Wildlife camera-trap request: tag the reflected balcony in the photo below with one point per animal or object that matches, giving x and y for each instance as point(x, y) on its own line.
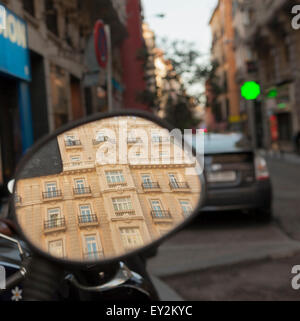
point(52, 195)
point(93, 256)
point(55, 225)
point(179, 186)
point(151, 186)
point(116, 184)
point(100, 140)
point(78, 165)
point(161, 216)
point(82, 191)
point(134, 140)
point(125, 213)
point(88, 220)
point(70, 144)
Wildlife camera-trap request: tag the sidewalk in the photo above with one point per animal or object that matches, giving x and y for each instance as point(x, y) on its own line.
point(281, 156)
point(176, 260)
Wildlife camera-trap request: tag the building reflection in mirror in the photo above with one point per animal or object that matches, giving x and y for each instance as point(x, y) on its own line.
point(100, 204)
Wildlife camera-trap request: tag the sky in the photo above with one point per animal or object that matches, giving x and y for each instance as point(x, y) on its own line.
point(185, 20)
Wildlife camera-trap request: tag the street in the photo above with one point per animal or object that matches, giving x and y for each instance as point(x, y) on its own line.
point(230, 256)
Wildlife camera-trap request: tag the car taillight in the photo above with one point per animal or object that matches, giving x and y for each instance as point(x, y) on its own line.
point(261, 168)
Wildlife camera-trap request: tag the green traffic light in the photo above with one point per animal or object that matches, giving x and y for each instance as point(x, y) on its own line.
point(250, 90)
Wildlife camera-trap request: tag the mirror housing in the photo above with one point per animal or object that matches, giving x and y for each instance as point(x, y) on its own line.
point(78, 204)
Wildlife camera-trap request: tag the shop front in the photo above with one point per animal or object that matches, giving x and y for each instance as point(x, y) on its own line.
point(16, 134)
point(279, 106)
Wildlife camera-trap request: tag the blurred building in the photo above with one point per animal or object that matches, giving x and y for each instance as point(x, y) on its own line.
point(133, 69)
point(276, 46)
point(91, 210)
point(227, 109)
point(49, 75)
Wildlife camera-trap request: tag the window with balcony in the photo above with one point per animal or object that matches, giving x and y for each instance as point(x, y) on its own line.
point(173, 180)
point(54, 219)
point(147, 182)
point(158, 211)
point(100, 138)
point(175, 184)
point(86, 215)
point(123, 206)
point(51, 191)
point(71, 140)
point(186, 207)
point(115, 177)
point(29, 6)
point(56, 248)
point(131, 238)
point(92, 251)
point(81, 188)
point(160, 137)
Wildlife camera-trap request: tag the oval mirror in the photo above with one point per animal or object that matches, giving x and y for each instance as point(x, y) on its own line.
point(106, 188)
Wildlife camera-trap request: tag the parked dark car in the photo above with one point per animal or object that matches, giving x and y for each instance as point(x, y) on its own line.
point(237, 176)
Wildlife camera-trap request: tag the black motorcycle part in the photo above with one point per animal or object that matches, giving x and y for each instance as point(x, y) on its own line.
point(44, 279)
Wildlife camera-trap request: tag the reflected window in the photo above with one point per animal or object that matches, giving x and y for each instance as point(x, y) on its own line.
point(156, 138)
point(51, 190)
point(92, 250)
point(115, 177)
point(131, 238)
point(76, 160)
point(71, 140)
point(80, 186)
point(157, 208)
point(100, 137)
point(147, 181)
point(122, 204)
point(186, 207)
point(55, 218)
point(56, 248)
point(173, 180)
point(85, 213)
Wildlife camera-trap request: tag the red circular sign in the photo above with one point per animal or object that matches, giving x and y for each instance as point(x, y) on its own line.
point(100, 42)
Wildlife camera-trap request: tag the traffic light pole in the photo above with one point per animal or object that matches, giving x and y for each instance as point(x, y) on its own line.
point(252, 125)
point(109, 69)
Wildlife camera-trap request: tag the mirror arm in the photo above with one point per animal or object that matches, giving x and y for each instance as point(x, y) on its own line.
point(15, 242)
point(122, 276)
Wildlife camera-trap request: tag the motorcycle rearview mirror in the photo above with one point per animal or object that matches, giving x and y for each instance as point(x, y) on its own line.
point(105, 188)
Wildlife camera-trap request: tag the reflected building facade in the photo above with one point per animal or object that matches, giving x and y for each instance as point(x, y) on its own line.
point(97, 209)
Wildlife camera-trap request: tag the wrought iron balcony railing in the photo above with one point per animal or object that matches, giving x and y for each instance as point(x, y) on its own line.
point(161, 214)
point(93, 255)
point(117, 184)
point(100, 140)
point(134, 140)
point(72, 143)
point(55, 223)
point(125, 212)
point(151, 185)
point(87, 219)
point(82, 190)
point(179, 185)
point(52, 194)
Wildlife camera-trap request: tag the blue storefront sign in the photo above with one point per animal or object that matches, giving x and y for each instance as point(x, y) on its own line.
point(15, 62)
point(14, 54)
